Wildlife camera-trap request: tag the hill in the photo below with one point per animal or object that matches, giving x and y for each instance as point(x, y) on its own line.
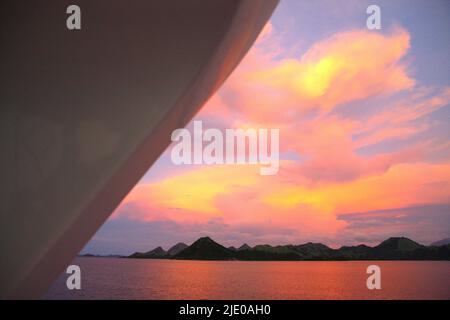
point(442, 242)
point(156, 253)
point(205, 249)
point(180, 246)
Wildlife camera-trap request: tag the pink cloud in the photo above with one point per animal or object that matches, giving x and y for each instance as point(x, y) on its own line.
point(302, 96)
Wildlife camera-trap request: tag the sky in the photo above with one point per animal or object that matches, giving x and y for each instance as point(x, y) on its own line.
point(364, 120)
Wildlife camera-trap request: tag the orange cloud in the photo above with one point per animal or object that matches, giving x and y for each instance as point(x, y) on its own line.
point(240, 196)
point(402, 185)
point(193, 191)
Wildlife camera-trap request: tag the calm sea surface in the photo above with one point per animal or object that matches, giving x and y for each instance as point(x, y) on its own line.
point(111, 278)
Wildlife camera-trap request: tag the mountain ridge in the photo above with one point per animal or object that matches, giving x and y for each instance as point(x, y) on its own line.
point(394, 248)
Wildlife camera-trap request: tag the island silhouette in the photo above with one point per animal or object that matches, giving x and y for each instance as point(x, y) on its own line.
point(395, 248)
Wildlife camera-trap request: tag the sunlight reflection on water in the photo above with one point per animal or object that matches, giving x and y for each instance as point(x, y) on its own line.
point(111, 278)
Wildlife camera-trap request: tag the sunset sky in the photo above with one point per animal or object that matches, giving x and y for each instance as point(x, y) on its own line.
point(364, 119)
